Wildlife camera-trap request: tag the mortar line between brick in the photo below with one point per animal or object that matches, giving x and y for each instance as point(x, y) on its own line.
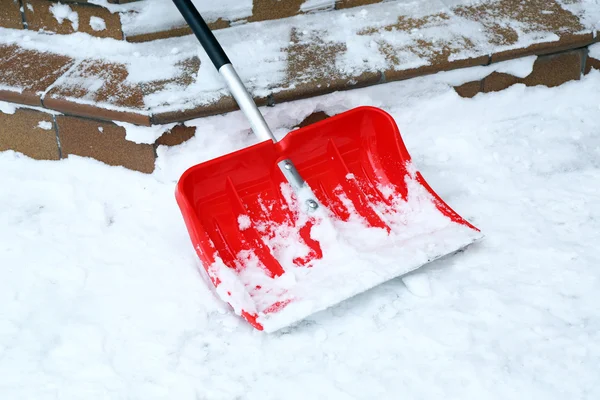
point(584, 60)
point(22, 11)
point(57, 137)
point(59, 80)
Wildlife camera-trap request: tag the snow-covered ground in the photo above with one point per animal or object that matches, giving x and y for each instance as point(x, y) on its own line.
point(100, 297)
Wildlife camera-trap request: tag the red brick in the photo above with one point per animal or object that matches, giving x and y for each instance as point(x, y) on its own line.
point(567, 41)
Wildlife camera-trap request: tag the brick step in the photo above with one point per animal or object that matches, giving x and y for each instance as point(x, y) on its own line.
point(165, 81)
point(146, 20)
point(45, 135)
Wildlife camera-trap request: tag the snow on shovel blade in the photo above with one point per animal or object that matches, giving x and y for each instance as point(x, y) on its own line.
point(274, 262)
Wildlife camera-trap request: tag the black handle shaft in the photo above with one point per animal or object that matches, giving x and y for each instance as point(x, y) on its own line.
point(202, 32)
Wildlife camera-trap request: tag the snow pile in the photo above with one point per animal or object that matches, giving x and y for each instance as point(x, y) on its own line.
point(97, 23)
point(45, 125)
point(63, 12)
point(7, 108)
point(144, 134)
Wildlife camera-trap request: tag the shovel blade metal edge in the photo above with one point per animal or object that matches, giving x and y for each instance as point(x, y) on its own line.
point(274, 263)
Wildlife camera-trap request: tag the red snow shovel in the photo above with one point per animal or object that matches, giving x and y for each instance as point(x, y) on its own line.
point(291, 227)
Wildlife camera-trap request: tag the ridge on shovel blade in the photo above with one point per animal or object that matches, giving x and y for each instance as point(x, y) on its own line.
point(276, 264)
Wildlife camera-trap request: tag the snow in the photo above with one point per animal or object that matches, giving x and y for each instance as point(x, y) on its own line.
point(144, 134)
point(520, 67)
point(97, 23)
point(62, 12)
point(418, 284)
point(11, 108)
point(160, 15)
point(594, 51)
point(7, 108)
point(45, 125)
point(314, 5)
point(101, 296)
point(244, 222)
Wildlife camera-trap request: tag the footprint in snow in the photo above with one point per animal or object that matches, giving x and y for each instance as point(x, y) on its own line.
point(418, 284)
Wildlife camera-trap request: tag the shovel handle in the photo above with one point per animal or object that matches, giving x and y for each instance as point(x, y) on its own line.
point(223, 65)
point(238, 90)
point(203, 33)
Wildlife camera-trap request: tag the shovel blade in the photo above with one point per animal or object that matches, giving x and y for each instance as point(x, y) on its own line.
point(275, 263)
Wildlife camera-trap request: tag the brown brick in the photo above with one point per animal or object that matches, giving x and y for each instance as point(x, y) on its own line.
point(311, 69)
point(313, 119)
point(274, 9)
point(591, 63)
point(10, 14)
point(556, 69)
point(506, 22)
point(324, 85)
point(148, 37)
point(175, 32)
point(72, 107)
point(549, 70)
point(566, 42)
point(437, 64)
point(103, 141)
point(21, 132)
point(341, 4)
point(469, 89)
point(179, 134)
point(497, 81)
point(438, 51)
point(115, 99)
point(39, 17)
point(29, 73)
point(224, 105)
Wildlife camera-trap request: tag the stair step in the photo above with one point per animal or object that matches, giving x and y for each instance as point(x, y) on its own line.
point(170, 80)
point(146, 20)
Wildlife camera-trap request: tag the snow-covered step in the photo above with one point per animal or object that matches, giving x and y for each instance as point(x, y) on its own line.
point(171, 80)
point(152, 19)
point(48, 134)
point(145, 20)
point(70, 17)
